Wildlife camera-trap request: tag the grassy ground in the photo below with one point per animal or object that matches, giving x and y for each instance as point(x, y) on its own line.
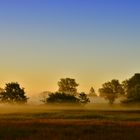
point(45, 123)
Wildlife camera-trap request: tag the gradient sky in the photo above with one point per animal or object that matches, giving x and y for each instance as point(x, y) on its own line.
point(92, 41)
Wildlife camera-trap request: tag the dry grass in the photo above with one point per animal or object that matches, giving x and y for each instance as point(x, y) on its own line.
point(34, 123)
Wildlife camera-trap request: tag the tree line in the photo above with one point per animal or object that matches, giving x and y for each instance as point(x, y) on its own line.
point(67, 92)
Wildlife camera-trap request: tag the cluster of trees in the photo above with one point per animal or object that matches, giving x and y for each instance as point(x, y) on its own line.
point(130, 89)
point(67, 92)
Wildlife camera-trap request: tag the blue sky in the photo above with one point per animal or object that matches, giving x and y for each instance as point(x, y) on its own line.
point(93, 41)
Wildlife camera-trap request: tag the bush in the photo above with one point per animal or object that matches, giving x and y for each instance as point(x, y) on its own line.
point(64, 98)
point(61, 98)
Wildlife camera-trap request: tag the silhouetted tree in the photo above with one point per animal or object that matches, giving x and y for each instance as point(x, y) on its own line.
point(68, 86)
point(132, 88)
point(92, 92)
point(13, 93)
point(83, 99)
point(111, 90)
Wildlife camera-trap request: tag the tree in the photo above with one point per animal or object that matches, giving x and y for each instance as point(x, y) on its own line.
point(111, 90)
point(92, 92)
point(68, 86)
point(13, 93)
point(132, 88)
point(83, 99)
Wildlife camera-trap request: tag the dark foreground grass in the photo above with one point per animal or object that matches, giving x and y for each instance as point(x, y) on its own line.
point(46, 129)
point(78, 124)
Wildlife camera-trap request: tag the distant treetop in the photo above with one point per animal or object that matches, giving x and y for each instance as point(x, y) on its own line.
point(92, 92)
point(68, 85)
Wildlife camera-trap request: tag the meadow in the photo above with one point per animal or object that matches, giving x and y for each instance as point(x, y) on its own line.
point(93, 122)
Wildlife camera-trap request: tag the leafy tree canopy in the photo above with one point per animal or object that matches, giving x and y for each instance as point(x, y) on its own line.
point(68, 86)
point(132, 88)
point(13, 93)
point(111, 90)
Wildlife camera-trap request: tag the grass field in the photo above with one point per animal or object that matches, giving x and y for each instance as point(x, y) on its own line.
point(60, 123)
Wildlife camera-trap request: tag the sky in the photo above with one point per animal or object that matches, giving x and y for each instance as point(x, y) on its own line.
point(93, 41)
